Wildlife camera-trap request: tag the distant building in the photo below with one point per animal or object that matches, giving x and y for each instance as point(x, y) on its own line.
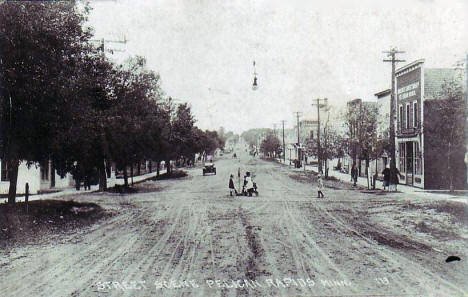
point(308, 130)
point(383, 105)
point(40, 177)
point(415, 85)
point(383, 127)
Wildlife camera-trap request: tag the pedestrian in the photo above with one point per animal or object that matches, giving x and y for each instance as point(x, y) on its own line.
point(394, 178)
point(354, 174)
point(87, 182)
point(249, 184)
point(386, 178)
point(232, 189)
point(320, 186)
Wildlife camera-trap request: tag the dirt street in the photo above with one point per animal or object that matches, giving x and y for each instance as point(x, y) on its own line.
point(189, 238)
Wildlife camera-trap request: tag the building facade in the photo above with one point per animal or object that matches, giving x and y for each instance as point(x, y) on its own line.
point(415, 85)
point(409, 142)
point(383, 127)
point(40, 178)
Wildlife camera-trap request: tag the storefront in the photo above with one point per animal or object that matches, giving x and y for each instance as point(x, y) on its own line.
point(410, 162)
point(409, 137)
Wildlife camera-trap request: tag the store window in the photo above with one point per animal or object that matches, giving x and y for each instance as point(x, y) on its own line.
point(417, 159)
point(402, 157)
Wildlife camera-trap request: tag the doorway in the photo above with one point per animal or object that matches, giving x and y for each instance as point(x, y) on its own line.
point(409, 163)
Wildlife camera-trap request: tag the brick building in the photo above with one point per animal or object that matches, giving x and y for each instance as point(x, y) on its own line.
point(415, 85)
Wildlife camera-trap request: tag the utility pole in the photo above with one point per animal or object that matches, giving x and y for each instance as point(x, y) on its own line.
point(298, 114)
point(319, 103)
point(392, 54)
point(103, 164)
point(284, 147)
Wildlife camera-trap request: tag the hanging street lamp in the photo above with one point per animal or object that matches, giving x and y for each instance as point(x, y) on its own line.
point(254, 85)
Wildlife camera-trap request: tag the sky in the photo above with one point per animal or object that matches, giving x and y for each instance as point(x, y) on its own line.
point(204, 49)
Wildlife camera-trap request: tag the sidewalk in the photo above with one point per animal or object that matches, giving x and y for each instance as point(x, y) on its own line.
point(362, 181)
point(111, 182)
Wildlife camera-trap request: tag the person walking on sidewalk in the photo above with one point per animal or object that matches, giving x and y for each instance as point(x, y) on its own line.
point(354, 174)
point(319, 186)
point(386, 178)
point(232, 189)
point(394, 179)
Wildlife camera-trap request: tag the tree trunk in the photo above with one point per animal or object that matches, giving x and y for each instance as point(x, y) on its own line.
point(13, 165)
point(52, 175)
point(131, 172)
point(326, 168)
point(102, 176)
point(150, 165)
point(125, 177)
point(359, 167)
point(449, 169)
point(367, 173)
point(108, 169)
point(139, 168)
point(376, 173)
point(168, 166)
point(158, 168)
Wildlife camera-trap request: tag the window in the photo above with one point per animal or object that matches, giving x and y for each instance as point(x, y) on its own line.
point(415, 114)
point(4, 173)
point(407, 116)
point(417, 159)
point(400, 121)
point(402, 155)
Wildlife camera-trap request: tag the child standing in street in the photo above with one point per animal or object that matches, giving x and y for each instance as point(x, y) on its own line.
point(232, 189)
point(320, 186)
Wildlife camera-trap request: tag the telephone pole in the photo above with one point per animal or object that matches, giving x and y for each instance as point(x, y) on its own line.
point(392, 54)
point(319, 103)
point(103, 164)
point(284, 147)
point(298, 114)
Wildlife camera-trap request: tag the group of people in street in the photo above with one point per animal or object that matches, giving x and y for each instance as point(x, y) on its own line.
point(390, 181)
point(248, 185)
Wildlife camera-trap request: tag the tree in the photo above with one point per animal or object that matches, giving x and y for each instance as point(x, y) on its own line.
point(270, 145)
point(361, 120)
point(135, 124)
point(79, 144)
point(253, 136)
point(444, 135)
point(40, 44)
